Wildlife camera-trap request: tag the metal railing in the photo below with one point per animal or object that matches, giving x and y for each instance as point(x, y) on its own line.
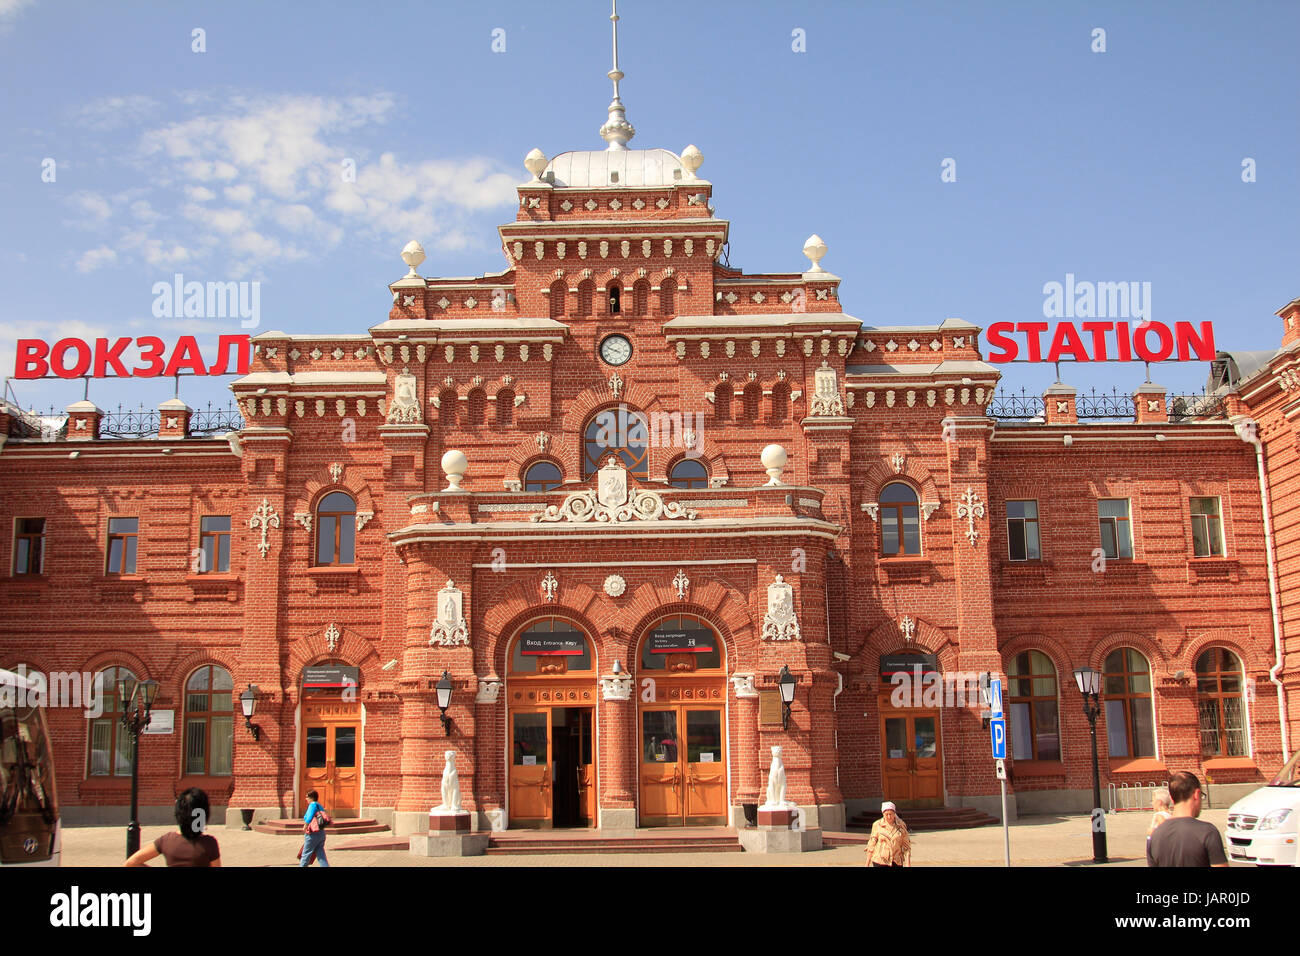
point(1187, 407)
point(1112, 404)
point(209, 420)
point(1013, 406)
point(124, 423)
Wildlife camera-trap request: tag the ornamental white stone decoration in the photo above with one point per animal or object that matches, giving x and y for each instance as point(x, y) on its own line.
point(625, 248)
point(405, 407)
point(1288, 380)
point(331, 637)
point(566, 205)
point(681, 583)
point(704, 349)
point(743, 686)
point(303, 518)
point(872, 508)
point(549, 584)
point(663, 204)
point(316, 354)
point(541, 438)
point(300, 408)
point(523, 352)
point(970, 508)
point(265, 518)
point(907, 627)
point(645, 248)
point(363, 518)
point(928, 508)
point(826, 394)
point(780, 622)
point(616, 686)
point(681, 349)
point(489, 691)
point(611, 502)
point(336, 472)
point(899, 462)
point(615, 585)
point(780, 347)
point(449, 628)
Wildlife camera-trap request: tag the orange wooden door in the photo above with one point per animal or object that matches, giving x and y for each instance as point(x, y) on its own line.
point(587, 770)
point(705, 766)
point(895, 764)
point(330, 766)
point(662, 783)
point(530, 767)
point(927, 773)
point(911, 759)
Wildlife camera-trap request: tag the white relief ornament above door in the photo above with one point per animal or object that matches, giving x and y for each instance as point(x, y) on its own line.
point(780, 622)
point(449, 627)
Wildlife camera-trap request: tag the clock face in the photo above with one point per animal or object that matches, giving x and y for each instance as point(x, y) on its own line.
point(615, 350)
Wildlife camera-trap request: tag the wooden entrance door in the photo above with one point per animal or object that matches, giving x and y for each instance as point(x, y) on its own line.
point(911, 757)
point(683, 766)
point(552, 771)
point(330, 756)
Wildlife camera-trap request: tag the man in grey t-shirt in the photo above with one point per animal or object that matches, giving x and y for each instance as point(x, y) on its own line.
point(1183, 840)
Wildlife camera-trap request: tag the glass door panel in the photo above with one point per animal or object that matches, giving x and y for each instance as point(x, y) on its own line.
point(530, 779)
point(661, 776)
point(706, 774)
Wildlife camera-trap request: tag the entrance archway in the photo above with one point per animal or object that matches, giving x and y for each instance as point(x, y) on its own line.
point(682, 726)
point(330, 739)
point(911, 740)
point(551, 696)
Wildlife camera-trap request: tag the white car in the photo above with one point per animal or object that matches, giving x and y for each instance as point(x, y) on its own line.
point(1262, 825)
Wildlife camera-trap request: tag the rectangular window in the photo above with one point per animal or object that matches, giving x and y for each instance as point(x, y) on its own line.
point(1207, 528)
point(214, 544)
point(29, 545)
point(122, 534)
point(1022, 531)
point(1116, 536)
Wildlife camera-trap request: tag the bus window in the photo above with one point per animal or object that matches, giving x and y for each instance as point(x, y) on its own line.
point(29, 811)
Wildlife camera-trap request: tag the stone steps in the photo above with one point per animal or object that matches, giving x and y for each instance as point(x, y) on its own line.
point(293, 827)
point(930, 818)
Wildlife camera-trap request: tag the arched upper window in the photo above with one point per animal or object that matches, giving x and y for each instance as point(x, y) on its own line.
point(900, 520)
point(557, 299)
point(336, 529)
point(681, 643)
point(110, 744)
point(542, 476)
point(1220, 704)
point(1035, 718)
point(689, 473)
point(1130, 717)
point(619, 432)
point(614, 297)
point(551, 645)
point(209, 722)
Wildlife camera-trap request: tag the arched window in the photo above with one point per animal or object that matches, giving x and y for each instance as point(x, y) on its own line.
point(1130, 717)
point(336, 529)
point(620, 432)
point(209, 722)
point(447, 403)
point(1035, 720)
point(614, 297)
point(681, 643)
point(752, 402)
point(542, 476)
point(900, 520)
point(505, 410)
point(780, 402)
point(551, 645)
point(557, 299)
point(586, 288)
point(640, 297)
point(689, 473)
point(722, 402)
point(1219, 703)
point(110, 744)
point(667, 297)
point(476, 413)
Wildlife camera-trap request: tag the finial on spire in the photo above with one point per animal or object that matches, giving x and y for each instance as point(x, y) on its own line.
point(617, 130)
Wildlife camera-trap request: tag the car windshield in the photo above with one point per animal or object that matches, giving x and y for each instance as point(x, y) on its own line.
point(1288, 776)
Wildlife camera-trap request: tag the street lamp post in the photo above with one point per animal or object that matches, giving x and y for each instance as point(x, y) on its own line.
point(137, 701)
point(786, 682)
point(444, 689)
point(1089, 681)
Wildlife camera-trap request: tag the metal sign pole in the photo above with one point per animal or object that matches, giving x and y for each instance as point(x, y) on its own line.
point(1006, 830)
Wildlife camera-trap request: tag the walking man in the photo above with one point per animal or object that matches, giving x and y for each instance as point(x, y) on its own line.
point(1183, 840)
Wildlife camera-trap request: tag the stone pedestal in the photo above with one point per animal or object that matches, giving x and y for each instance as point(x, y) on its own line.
point(773, 833)
point(449, 843)
point(448, 821)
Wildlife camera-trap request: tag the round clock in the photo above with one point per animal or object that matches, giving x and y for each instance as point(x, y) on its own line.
point(615, 349)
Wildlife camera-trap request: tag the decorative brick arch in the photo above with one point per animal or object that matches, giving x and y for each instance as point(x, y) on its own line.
point(321, 483)
point(509, 614)
point(885, 638)
point(178, 669)
point(1252, 661)
point(524, 454)
point(715, 465)
point(119, 658)
point(914, 473)
point(1150, 650)
point(591, 400)
point(1039, 642)
point(34, 662)
point(724, 607)
point(352, 648)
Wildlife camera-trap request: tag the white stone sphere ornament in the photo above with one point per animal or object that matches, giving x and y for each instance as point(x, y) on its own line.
point(774, 458)
point(815, 250)
point(454, 466)
point(412, 255)
point(535, 163)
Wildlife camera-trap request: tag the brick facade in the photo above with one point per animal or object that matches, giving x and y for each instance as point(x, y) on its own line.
point(506, 368)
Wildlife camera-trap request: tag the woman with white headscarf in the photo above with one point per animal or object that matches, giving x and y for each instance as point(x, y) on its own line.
point(890, 844)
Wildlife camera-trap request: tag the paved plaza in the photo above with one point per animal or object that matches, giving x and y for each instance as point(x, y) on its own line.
point(1035, 841)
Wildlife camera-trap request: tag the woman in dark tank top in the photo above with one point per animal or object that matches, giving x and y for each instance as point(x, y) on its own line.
point(191, 846)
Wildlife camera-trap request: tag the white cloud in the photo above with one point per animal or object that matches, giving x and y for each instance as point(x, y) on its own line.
point(92, 204)
point(9, 11)
point(95, 258)
point(116, 112)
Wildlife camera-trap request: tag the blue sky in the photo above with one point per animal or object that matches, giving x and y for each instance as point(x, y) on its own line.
point(225, 165)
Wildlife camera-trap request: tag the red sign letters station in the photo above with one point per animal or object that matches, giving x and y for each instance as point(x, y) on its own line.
point(75, 358)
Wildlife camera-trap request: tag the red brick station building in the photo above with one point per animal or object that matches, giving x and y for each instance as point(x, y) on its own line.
point(554, 484)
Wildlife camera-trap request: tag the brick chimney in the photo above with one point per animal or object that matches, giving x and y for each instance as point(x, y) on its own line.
point(1058, 405)
point(83, 421)
point(1290, 316)
point(1149, 404)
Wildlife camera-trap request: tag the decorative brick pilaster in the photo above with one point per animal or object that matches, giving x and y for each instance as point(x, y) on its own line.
point(1058, 405)
point(1149, 404)
point(83, 421)
point(174, 419)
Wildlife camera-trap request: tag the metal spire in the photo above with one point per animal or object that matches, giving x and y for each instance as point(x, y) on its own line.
point(617, 130)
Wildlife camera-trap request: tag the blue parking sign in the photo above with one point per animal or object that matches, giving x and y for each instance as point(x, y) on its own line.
point(998, 731)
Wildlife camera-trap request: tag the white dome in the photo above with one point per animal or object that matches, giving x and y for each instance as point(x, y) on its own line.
point(635, 167)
